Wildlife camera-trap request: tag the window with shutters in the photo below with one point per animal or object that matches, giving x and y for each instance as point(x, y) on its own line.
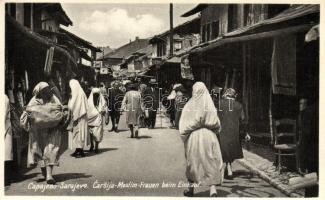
point(208, 32)
point(13, 10)
point(27, 15)
point(232, 17)
point(203, 33)
point(246, 14)
point(214, 30)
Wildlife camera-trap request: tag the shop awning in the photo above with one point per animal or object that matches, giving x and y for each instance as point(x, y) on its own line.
point(195, 10)
point(174, 60)
point(258, 31)
point(218, 42)
point(38, 38)
point(293, 12)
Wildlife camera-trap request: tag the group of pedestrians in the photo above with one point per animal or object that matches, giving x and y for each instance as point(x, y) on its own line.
point(141, 103)
point(83, 118)
point(45, 118)
point(211, 136)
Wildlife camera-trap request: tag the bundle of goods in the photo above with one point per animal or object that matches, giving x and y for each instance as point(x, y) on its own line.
point(45, 116)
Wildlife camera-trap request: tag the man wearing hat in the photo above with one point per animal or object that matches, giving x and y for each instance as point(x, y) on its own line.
point(152, 99)
point(115, 99)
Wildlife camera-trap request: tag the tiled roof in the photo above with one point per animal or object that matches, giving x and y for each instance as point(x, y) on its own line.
point(128, 49)
point(195, 10)
point(80, 40)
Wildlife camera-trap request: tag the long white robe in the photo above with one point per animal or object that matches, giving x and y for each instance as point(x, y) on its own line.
point(78, 134)
point(8, 132)
point(44, 144)
point(96, 115)
point(198, 127)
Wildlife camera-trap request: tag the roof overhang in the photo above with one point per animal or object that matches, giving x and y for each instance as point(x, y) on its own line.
point(195, 10)
point(79, 40)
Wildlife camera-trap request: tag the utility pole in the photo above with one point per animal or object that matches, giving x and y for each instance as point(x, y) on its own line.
point(171, 35)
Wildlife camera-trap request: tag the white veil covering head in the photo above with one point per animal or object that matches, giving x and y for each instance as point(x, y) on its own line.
point(199, 111)
point(40, 86)
point(93, 109)
point(78, 102)
point(172, 95)
point(202, 97)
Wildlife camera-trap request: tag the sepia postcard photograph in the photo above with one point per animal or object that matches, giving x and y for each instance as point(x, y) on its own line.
point(162, 99)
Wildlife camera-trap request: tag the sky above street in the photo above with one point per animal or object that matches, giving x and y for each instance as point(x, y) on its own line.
point(116, 24)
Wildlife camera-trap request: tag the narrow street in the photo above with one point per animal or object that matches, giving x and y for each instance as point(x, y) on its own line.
point(156, 157)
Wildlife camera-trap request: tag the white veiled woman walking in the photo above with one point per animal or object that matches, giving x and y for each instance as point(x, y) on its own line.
point(8, 143)
point(78, 134)
point(198, 127)
point(44, 143)
point(96, 117)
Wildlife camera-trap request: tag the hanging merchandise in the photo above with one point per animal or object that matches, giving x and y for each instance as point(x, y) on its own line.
point(59, 79)
point(49, 61)
point(20, 98)
point(312, 34)
point(26, 81)
point(186, 70)
point(11, 96)
point(283, 68)
point(12, 79)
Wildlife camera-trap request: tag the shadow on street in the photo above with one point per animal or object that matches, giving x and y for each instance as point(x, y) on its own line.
point(70, 176)
point(101, 150)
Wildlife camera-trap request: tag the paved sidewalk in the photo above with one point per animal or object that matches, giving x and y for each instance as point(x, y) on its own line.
point(267, 171)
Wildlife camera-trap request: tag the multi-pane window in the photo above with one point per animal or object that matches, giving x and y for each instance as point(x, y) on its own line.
point(161, 49)
point(210, 31)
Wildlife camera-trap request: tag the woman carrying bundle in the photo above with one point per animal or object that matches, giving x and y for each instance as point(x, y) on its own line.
point(44, 143)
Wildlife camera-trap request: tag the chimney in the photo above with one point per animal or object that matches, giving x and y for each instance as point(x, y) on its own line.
point(136, 38)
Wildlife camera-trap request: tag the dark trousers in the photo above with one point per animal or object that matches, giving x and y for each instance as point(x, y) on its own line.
point(8, 172)
point(152, 118)
point(115, 117)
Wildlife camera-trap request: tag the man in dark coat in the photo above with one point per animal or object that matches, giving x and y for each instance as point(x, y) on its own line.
point(115, 100)
point(308, 147)
point(151, 101)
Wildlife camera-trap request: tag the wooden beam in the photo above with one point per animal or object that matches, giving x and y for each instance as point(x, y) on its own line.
point(171, 35)
point(32, 16)
point(256, 36)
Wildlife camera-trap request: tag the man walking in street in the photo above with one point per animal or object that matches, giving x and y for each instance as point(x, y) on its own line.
point(152, 101)
point(115, 100)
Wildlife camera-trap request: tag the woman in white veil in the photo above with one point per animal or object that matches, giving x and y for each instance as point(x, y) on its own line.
point(79, 135)
point(96, 117)
point(199, 126)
